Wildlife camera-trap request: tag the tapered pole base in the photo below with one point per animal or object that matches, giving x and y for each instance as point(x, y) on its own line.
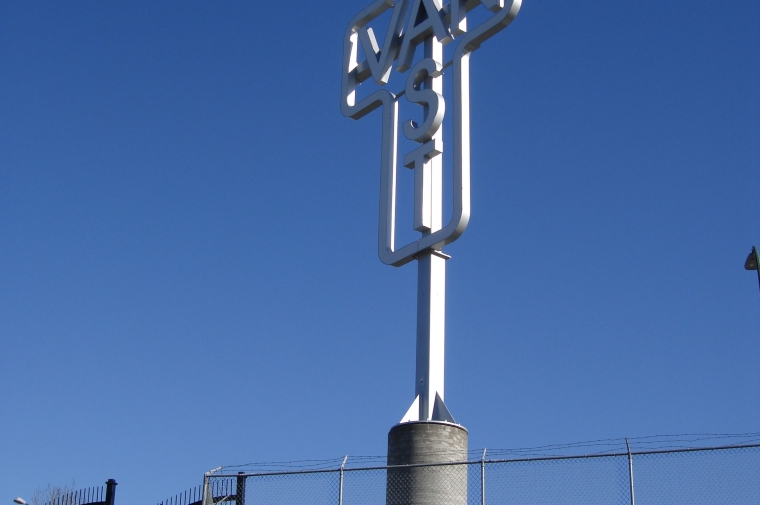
point(420, 443)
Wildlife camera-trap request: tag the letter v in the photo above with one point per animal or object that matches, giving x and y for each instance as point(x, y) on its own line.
point(380, 62)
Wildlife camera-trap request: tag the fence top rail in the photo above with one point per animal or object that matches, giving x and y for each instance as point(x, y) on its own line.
point(487, 461)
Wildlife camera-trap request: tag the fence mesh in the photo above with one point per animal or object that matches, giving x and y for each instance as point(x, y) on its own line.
point(723, 475)
point(729, 476)
point(600, 480)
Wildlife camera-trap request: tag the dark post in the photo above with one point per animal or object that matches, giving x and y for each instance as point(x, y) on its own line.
point(753, 262)
point(240, 491)
point(110, 491)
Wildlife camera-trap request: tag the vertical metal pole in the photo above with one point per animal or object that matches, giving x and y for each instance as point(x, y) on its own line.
point(340, 482)
point(431, 276)
point(431, 306)
point(483, 478)
point(240, 489)
point(630, 470)
point(110, 491)
point(206, 491)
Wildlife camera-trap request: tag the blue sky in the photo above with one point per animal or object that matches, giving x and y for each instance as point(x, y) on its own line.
point(189, 274)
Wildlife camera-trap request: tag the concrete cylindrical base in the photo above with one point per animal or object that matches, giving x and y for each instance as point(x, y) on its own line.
point(427, 442)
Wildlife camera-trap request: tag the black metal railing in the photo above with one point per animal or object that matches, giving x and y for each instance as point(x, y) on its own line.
point(99, 495)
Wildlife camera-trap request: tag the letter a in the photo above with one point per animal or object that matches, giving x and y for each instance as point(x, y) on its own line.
point(421, 27)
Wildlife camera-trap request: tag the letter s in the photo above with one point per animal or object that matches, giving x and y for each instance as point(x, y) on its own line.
point(436, 106)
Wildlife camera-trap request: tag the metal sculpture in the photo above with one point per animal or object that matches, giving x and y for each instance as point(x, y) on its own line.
point(432, 25)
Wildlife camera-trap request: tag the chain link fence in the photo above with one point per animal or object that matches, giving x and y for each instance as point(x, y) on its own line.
point(694, 476)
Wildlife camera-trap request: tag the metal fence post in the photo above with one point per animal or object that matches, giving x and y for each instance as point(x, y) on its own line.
point(630, 470)
point(483, 478)
point(340, 481)
point(240, 489)
point(206, 499)
point(110, 491)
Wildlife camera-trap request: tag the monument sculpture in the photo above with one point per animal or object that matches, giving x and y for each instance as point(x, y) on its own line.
point(427, 432)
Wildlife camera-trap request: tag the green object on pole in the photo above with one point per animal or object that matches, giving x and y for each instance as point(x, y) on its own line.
point(753, 260)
